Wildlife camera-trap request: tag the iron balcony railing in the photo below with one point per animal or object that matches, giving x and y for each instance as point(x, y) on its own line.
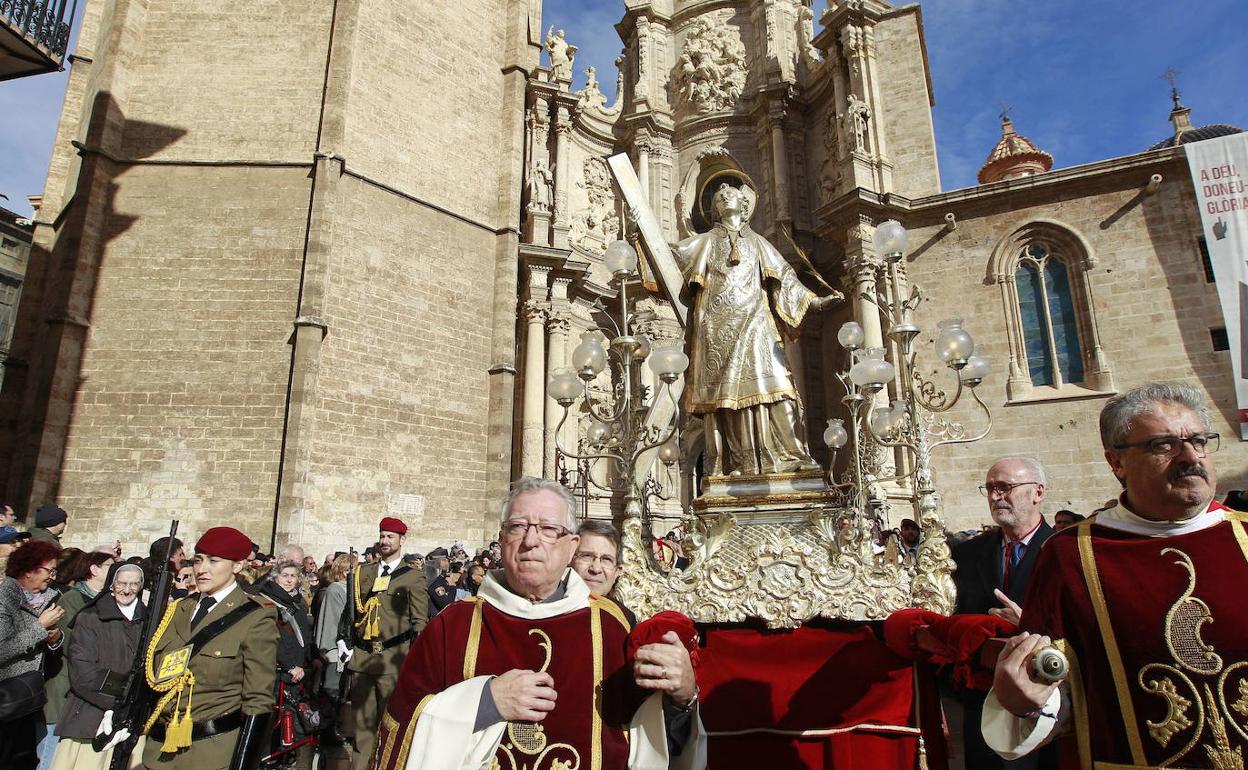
point(43, 24)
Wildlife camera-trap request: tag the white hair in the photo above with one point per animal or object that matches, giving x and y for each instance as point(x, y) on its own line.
point(529, 484)
point(1033, 466)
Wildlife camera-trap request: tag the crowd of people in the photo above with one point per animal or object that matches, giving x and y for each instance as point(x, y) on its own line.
point(368, 658)
point(75, 618)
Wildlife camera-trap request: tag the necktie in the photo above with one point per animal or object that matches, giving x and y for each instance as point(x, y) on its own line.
point(385, 570)
point(1013, 553)
point(205, 605)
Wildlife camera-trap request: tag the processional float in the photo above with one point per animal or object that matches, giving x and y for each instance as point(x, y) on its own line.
point(788, 550)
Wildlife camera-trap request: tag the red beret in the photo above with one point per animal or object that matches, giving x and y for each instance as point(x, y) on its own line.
point(224, 542)
point(391, 524)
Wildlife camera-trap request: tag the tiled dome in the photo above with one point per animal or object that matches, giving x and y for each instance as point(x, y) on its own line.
point(1014, 156)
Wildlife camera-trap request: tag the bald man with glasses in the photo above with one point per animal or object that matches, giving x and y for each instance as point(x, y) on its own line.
point(996, 566)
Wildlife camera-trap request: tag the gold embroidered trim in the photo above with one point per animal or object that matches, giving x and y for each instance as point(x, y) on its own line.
point(405, 747)
point(474, 639)
point(390, 729)
point(1079, 702)
point(1176, 719)
point(1184, 620)
point(1240, 706)
point(612, 609)
point(595, 736)
point(1087, 560)
point(1241, 536)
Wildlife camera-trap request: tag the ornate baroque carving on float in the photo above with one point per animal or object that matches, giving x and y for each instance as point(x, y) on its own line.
point(711, 71)
point(598, 224)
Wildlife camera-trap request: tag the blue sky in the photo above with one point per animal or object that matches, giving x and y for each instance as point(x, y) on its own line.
point(1083, 78)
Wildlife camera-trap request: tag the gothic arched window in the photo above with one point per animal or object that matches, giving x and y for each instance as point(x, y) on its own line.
point(1055, 350)
point(1047, 312)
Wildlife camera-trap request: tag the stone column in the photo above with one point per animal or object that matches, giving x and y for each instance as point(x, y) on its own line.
point(558, 324)
point(535, 309)
point(779, 161)
point(563, 177)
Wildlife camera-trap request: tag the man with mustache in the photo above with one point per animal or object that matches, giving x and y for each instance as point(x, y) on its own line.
point(993, 568)
point(1145, 598)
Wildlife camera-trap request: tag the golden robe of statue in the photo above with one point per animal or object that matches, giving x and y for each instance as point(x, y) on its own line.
point(741, 290)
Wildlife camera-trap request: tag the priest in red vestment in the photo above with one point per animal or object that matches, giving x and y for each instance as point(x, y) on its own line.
point(532, 673)
point(1146, 599)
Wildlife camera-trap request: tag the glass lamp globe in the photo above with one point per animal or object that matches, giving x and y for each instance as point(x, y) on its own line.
point(620, 258)
point(890, 239)
point(668, 361)
point(589, 358)
point(851, 336)
point(883, 420)
point(976, 369)
point(669, 452)
point(954, 345)
point(564, 386)
point(835, 436)
point(597, 432)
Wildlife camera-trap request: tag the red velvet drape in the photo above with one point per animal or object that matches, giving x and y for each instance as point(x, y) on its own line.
point(814, 697)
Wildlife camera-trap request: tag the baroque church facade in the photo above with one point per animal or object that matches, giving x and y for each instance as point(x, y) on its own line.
point(321, 273)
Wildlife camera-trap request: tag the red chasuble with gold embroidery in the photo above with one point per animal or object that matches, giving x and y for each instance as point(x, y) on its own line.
point(1158, 632)
point(580, 649)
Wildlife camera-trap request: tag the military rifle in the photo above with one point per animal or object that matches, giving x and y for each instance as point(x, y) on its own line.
point(135, 702)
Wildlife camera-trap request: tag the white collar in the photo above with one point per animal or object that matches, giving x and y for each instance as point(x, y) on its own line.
point(128, 609)
point(496, 592)
point(1120, 517)
point(393, 565)
point(221, 593)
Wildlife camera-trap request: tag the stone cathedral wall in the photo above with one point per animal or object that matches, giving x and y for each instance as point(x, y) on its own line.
point(199, 237)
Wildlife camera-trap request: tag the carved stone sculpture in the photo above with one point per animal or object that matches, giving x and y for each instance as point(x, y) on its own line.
point(738, 380)
point(540, 187)
point(591, 96)
point(857, 113)
point(711, 70)
point(598, 224)
point(561, 54)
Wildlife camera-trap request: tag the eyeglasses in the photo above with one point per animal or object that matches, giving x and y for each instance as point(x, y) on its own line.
point(1002, 487)
point(585, 558)
point(50, 570)
point(549, 533)
point(1170, 446)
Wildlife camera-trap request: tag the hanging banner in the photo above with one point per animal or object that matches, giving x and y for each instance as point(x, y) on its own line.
point(1220, 175)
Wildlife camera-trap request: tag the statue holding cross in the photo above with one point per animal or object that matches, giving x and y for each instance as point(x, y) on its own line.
point(743, 300)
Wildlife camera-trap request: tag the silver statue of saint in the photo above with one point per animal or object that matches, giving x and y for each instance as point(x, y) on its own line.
point(742, 293)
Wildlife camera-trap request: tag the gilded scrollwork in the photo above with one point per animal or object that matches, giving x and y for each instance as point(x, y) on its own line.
point(1201, 710)
point(782, 573)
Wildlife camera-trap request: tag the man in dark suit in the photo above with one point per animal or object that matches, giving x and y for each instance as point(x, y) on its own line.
point(995, 564)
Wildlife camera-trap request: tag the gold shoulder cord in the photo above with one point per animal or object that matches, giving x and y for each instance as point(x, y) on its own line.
point(369, 624)
point(178, 734)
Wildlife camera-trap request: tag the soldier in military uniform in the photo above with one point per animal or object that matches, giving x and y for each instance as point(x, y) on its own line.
point(387, 604)
point(441, 592)
point(212, 663)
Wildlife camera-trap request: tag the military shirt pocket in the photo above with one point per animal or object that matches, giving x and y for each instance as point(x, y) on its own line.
point(218, 660)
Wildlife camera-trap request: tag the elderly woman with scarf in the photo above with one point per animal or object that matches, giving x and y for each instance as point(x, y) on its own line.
point(105, 638)
point(293, 648)
point(28, 629)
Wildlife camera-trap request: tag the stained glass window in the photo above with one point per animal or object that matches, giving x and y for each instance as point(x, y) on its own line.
point(1049, 318)
point(1035, 331)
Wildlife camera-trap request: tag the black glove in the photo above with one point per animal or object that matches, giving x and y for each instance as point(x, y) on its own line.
point(253, 738)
